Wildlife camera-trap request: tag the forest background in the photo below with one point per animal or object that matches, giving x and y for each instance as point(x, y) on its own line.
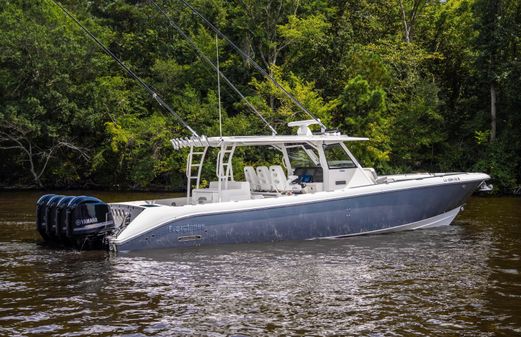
point(434, 84)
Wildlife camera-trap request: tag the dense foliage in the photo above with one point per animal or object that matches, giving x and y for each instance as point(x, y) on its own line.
point(434, 84)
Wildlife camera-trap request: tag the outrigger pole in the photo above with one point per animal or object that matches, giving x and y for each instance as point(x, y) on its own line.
point(153, 93)
point(207, 60)
point(255, 64)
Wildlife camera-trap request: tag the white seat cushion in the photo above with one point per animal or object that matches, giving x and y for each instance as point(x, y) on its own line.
point(252, 178)
point(264, 178)
point(279, 181)
point(278, 178)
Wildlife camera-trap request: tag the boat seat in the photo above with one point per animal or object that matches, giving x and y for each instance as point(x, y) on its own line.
point(264, 178)
point(279, 181)
point(252, 178)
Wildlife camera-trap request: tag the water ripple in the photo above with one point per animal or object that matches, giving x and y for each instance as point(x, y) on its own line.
point(462, 280)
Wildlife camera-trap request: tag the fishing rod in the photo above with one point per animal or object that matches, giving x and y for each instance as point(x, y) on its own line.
point(153, 93)
point(255, 64)
point(207, 60)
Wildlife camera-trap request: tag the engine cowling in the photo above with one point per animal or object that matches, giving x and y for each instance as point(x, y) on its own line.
point(76, 221)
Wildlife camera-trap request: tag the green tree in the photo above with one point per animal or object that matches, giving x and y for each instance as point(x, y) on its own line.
point(361, 113)
point(46, 75)
point(427, 81)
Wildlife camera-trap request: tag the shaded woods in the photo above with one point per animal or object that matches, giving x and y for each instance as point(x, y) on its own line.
point(434, 84)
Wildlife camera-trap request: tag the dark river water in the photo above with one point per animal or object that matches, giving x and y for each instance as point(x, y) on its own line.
point(462, 280)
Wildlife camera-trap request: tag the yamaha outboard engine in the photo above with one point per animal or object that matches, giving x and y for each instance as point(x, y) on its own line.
point(50, 217)
point(82, 222)
point(41, 215)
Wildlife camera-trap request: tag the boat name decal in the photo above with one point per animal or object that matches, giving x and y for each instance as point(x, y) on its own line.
point(186, 228)
point(450, 179)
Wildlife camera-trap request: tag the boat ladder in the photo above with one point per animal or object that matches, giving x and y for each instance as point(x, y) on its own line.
point(224, 167)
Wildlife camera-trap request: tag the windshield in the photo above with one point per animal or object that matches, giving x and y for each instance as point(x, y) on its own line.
point(337, 158)
point(302, 157)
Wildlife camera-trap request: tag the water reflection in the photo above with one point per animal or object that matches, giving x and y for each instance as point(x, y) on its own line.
point(504, 262)
point(460, 280)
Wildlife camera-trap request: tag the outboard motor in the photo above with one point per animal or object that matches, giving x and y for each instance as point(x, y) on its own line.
point(77, 221)
point(50, 217)
point(41, 219)
point(60, 217)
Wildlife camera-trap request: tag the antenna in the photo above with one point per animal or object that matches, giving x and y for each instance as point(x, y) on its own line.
point(153, 93)
point(207, 60)
point(255, 64)
point(219, 86)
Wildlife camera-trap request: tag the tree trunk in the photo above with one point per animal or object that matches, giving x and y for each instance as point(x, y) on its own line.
point(492, 112)
point(406, 29)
